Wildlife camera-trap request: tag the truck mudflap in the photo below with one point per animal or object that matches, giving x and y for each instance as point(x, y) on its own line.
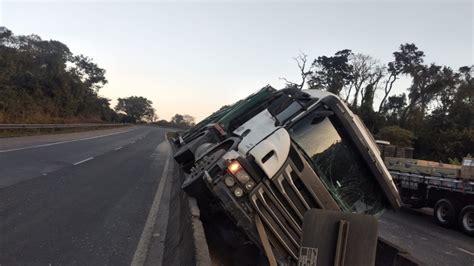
point(338, 238)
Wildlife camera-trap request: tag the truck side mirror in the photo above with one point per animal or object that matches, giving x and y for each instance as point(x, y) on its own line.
point(338, 238)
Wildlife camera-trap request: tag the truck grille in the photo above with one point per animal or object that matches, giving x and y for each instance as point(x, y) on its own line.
point(281, 203)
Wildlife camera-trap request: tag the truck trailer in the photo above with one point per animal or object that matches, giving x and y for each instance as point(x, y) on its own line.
point(448, 189)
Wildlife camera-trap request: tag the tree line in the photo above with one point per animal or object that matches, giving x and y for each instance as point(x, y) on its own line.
point(42, 81)
point(435, 114)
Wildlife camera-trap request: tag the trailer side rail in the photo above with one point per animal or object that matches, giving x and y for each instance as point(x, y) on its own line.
point(412, 181)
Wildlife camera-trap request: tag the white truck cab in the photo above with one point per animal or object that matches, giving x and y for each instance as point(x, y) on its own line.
point(305, 151)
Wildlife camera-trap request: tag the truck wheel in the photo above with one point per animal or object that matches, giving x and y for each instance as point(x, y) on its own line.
point(444, 213)
point(185, 156)
point(466, 220)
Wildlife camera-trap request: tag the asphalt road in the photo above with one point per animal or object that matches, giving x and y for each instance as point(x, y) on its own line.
point(81, 198)
point(89, 198)
point(429, 243)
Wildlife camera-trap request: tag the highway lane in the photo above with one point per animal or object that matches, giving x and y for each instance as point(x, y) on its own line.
point(82, 202)
point(29, 159)
point(35, 140)
point(421, 237)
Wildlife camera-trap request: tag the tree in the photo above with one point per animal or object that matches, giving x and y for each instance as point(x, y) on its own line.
point(42, 81)
point(461, 104)
point(151, 116)
point(447, 132)
point(428, 83)
point(407, 59)
point(374, 76)
point(394, 107)
point(301, 61)
point(177, 119)
point(137, 107)
point(182, 120)
point(331, 73)
point(188, 120)
point(89, 72)
point(435, 114)
point(365, 71)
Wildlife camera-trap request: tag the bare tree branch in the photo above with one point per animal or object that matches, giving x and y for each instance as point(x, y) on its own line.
point(301, 61)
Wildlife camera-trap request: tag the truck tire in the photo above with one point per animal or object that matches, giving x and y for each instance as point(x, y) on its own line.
point(185, 156)
point(444, 213)
point(466, 220)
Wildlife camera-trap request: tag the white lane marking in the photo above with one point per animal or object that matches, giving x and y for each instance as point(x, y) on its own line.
point(83, 161)
point(142, 248)
point(116, 149)
point(132, 142)
point(62, 142)
point(466, 251)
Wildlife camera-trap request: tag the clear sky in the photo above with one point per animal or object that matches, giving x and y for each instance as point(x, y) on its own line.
point(193, 57)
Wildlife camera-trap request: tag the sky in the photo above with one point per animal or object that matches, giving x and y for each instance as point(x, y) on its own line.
point(194, 57)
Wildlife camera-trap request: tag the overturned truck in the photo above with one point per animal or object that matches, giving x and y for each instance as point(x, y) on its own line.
point(268, 159)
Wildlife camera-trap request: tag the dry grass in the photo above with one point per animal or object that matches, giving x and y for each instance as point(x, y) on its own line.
point(6, 133)
point(43, 118)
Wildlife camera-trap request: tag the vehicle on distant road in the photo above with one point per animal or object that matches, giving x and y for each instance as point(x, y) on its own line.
point(297, 151)
point(448, 189)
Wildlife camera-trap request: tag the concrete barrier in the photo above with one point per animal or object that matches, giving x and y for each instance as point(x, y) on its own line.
point(185, 242)
point(201, 250)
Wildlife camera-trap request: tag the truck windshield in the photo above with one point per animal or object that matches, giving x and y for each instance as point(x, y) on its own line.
point(336, 160)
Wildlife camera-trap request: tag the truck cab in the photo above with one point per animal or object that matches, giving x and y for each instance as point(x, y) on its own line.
point(305, 150)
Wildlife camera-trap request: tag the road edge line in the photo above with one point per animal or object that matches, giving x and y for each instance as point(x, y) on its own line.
point(140, 255)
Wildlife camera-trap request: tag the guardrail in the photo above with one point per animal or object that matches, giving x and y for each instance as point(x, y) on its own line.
point(45, 126)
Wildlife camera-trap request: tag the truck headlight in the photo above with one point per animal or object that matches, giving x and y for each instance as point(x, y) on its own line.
point(238, 171)
point(238, 192)
point(242, 176)
point(234, 167)
point(229, 181)
point(249, 185)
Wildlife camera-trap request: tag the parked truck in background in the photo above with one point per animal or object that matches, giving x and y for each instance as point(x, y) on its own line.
point(447, 188)
point(294, 151)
